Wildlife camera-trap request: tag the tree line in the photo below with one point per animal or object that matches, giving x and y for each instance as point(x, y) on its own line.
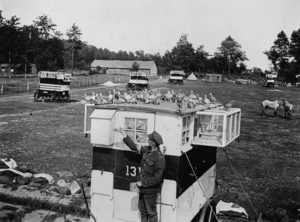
point(41, 44)
point(285, 56)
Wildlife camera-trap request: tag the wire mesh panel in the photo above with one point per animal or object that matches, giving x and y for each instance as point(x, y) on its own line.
point(217, 127)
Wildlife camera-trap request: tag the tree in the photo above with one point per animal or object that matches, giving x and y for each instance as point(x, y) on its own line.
point(45, 26)
point(201, 59)
point(32, 43)
point(74, 35)
point(279, 55)
point(295, 52)
point(158, 61)
point(11, 47)
point(135, 67)
point(183, 54)
point(140, 55)
point(231, 52)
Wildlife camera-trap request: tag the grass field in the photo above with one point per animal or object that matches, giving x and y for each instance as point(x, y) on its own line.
point(48, 137)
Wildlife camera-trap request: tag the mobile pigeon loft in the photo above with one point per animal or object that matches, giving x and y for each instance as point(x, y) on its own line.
point(191, 138)
point(53, 87)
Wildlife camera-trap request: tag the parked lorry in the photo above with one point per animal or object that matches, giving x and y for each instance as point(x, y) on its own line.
point(138, 81)
point(53, 87)
point(271, 80)
point(176, 77)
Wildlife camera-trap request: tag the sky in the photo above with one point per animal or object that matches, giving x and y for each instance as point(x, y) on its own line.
point(156, 25)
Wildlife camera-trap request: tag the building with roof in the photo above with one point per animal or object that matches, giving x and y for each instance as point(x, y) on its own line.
point(15, 69)
point(214, 77)
point(123, 67)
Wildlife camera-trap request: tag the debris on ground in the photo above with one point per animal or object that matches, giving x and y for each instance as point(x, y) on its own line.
point(226, 210)
point(19, 184)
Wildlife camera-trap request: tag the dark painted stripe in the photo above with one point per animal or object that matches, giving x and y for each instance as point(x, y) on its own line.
point(125, 164)
point(202, 158)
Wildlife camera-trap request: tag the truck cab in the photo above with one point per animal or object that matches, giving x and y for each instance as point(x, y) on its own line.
point(271, 80)
point(176, 77)
point(138, 81)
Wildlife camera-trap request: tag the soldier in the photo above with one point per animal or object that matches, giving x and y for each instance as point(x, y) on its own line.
point(151, 175)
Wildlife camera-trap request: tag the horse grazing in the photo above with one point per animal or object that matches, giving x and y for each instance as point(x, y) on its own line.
point(288, 108)
point(267, 104)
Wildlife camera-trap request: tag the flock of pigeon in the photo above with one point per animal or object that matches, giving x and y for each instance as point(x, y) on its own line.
point(155, 97)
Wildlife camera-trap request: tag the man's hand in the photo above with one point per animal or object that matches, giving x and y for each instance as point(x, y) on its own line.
point(139, 184)
point(120, 130)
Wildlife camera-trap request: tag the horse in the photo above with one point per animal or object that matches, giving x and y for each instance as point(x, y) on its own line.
point(288, 108)
point(267, 104)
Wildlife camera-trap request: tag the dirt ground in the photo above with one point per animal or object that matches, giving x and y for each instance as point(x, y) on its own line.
point(48, 137)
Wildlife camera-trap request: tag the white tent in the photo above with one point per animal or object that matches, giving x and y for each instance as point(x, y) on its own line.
point(192, 77)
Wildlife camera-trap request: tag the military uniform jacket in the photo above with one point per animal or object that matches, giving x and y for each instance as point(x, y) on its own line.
point(152, 167)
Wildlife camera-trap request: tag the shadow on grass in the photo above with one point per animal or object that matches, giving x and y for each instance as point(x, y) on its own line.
point(272, 116)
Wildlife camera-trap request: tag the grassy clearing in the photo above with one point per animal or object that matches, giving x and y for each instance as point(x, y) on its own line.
point(266, 157)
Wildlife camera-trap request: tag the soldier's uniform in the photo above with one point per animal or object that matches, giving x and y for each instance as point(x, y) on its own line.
point(151, 176)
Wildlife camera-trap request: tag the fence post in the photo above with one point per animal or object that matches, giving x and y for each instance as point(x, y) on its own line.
point(1, 89)
point(27, 86)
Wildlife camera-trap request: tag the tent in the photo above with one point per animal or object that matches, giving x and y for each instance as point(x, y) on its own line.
point(192, 77)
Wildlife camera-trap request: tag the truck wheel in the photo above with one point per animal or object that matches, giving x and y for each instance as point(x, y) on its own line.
point(35, 97)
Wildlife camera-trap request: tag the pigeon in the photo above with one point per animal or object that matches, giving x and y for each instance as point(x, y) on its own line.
point(227, 106)
point(127, 97)
point(179, 102)
point(212, 98)
point(192, 95)
point(191, 104)
point(206, 100)
point(110, 96)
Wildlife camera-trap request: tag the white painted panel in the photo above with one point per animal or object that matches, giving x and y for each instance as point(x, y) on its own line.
point(167, 199)
point(102, 208)
point(102, 126)
point(170, 129)
point(88, 109)
point(101, 132)
point(126, 206)
point(102, 182)
point(191, 201)
point(103, 114)
point(101, 195)
point(168, 192)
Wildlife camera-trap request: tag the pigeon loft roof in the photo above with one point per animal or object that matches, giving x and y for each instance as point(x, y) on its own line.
point(164, 107)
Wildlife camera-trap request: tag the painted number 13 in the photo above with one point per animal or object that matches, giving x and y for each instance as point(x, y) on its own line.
point(132, 170)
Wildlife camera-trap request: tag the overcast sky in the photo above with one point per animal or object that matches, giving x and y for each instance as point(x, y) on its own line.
point(156, 25)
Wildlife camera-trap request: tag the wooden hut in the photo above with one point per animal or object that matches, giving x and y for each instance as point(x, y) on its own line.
point(214, 77)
